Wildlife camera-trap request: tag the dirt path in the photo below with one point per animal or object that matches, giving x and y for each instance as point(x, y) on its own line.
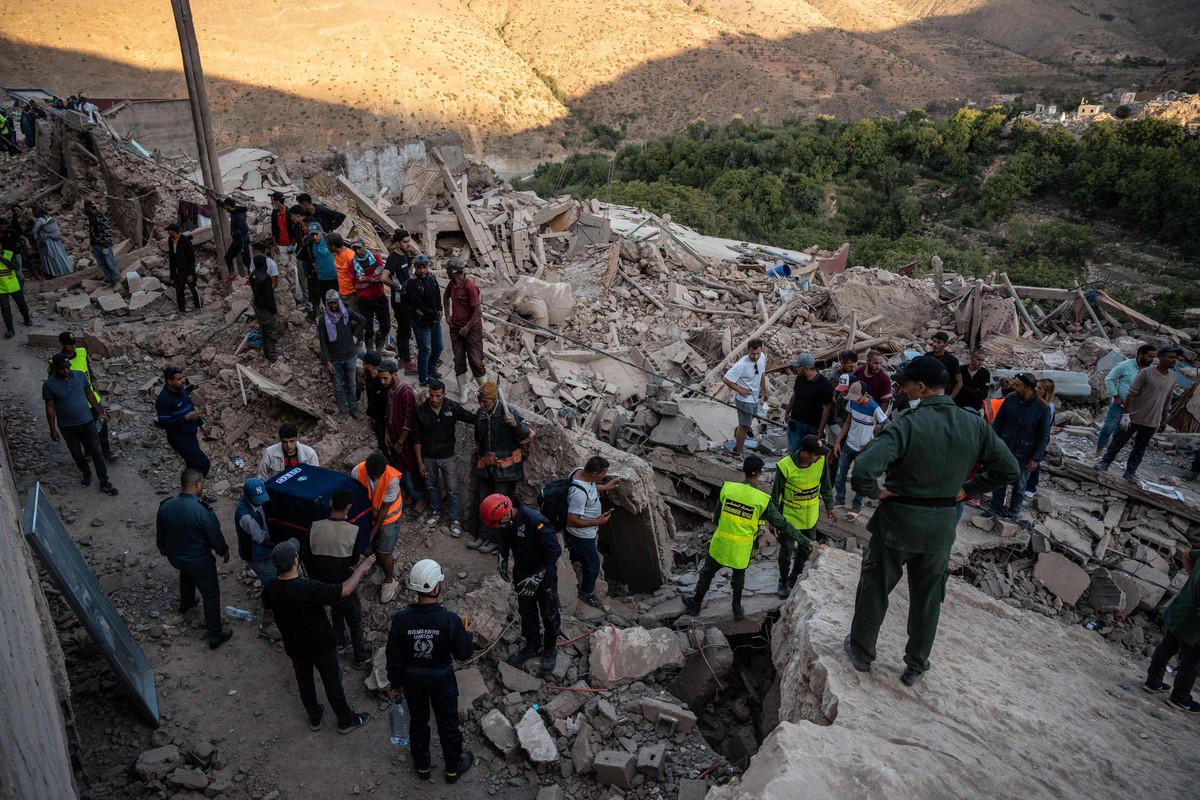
point(242, 697)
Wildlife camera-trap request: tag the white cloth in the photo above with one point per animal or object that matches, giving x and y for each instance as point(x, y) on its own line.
point(744, 374)
point(272, 459)
point(583, 501)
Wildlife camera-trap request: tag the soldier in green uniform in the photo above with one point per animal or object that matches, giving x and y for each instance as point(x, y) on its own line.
point(923, 457)
point(802, 484)
point(1181, 635)
point(741, 509)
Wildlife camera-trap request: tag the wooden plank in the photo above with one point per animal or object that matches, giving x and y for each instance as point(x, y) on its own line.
point(613, 264)
point(1187, 508)
point(1017, 300)
point(642, 289)
point(737, 352)
point(368, 208)
point(1141, 320)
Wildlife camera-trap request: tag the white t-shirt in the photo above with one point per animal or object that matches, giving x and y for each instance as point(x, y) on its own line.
point(89, 108)
point(748, 375)
point(389, 494)
point(272, 267)
point(863, 419)
point(583, 501)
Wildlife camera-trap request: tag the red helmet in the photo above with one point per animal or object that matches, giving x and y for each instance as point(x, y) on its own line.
point(493, 510)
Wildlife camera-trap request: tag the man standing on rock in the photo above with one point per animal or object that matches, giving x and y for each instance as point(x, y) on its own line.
point(585, 515)
point(1023, 424)
point(239, 238)
point(747, 379)
point(500, 433)
point(262, 288)
point(329, 219)
point(1146, 408)
point(73, 413)
point(434, 433)
point(285, 454)
point(100, 239)
point(299, 605)
point(879, 385)
point(397, 271)
point(337, 327)
point(1117, 382)
point(1181, 635)
point(11, 288)
point(400, 444)
point(79, 361)
point(531, 540)
point(382, 482)
point(741, 509)
point(422, 643)
point(802, 484)
point(976, 383)
point(181, 261)
point(188, 534)
point(464, 311)
point(180, 419)
point(285, 250)
point(376, 386)
point(812, 397)
point(371, 293)
point(938, 344)
point(922, 460)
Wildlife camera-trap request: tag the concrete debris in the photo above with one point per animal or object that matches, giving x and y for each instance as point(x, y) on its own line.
point(652, 760)
point(517, 680)
point(615, 768)
point(471, 687)
point(500, 732)
point(623, 656)
point(567, 703)
point(583, 753)
point(668, 715)
point(1104, 593)
point(1062, 577)
point(156, 764)
point(535, 739)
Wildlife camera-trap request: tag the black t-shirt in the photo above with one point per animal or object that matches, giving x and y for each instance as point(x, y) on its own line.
point(809, 398)
point(299, 606)
point(951, 365)
point(974, 390)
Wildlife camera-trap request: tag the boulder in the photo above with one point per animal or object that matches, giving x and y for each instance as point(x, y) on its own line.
point(156, 764)
point(499, 731)
point(624, 656)
point(535, 739)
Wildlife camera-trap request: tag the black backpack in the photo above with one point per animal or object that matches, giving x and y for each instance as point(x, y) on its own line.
point(553, 499)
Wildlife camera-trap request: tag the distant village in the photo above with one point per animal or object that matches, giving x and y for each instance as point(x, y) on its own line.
point(1123, 103)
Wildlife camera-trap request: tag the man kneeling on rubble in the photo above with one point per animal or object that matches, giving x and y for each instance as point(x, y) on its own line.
point(922, 458)
point(533, 543)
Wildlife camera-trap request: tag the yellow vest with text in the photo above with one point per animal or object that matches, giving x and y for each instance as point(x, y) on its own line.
point(742, 507)
point(801, 499)
point(79, 362)
point(8, 274)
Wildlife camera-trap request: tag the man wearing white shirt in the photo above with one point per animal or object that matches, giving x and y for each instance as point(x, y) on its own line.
point(287, 453)
point(747, 378)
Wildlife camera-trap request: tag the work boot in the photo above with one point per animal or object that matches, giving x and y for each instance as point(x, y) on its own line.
point(487, 548)
point(221, 638)
point(464, 388)
point(910, 676)
point(354, 412)
point(549, 660)
point(531, 649)
point(738, 613)
point(10, 333)
point(692, 604)
point(268, 630)
point(855, 661)
point(1102, 465)
point(464, 764)
point(475, 543)
point(1130, 476)
point(782, 591)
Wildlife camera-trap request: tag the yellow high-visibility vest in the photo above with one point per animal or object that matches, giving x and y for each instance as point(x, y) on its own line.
point(742, 507)
point(801, 499)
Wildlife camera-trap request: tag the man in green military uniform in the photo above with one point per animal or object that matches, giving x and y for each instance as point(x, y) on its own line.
point(923, 457)
point(741, 509)
point(79, 361)
point(1181, 634)
point(802, 484)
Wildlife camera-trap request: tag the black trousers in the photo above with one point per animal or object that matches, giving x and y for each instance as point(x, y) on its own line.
point(709, 570)
point(330, 671)
point(83, 441)
point(268, 330)
point(490, 486)
point(375, 311)
point(790, 567)
point(403, 331)
point(1189, 666)
point(436, 691)
point(540, 618)
point(200, 575)
point(189, 449)
point(181, 286)
point(19, 298)
point(1141, 435)
point(348, 614)
point(239, 248)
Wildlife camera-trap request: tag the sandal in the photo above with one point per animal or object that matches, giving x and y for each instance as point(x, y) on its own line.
point(853, 515)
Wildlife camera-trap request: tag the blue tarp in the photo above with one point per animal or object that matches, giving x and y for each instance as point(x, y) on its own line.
point(300, 496)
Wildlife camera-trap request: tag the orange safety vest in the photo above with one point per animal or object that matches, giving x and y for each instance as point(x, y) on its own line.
point(991, 408)
point(397, 508)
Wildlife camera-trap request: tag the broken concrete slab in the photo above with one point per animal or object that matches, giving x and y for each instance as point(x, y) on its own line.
point(568, 702)
point(273, 389)
point(1152, 584)
point(553, 792)
point(500, 732)
point(111, 303)
point(535, 739)
point(1061, 576)
point(1131, 588)
point(583, 752)
point(615, 768)
point(139, 300)
point(692, 789)
point(517, 680)
point(471, 687)
point(156, 764)
point(623, 656)
point(1104, 593)
point(680, 718)
point(491, 606)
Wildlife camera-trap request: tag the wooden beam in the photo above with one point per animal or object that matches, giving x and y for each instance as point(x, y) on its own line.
point(1142, 321)
point(1187, 508)
point(547, 213)
point(641, 289)
point(367, 206)
point(1043, 293)
point(736, 352)
point(613, 264)
point(1020, 305)
point(1092, 313)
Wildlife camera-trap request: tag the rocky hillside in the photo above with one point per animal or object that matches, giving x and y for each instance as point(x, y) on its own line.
point(525, 80)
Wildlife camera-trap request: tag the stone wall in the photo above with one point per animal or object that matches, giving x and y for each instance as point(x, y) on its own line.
point(35, 762)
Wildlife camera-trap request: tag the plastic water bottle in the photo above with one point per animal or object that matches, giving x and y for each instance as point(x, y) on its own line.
point(398, 721)
point(239, 613)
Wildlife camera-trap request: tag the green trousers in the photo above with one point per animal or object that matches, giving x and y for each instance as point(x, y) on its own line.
point(790, 566)
point(882, 567)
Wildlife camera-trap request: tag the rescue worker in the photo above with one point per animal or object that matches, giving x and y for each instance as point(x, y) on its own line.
point(180, 419)
point(423, 640)
point(923, 457)
point(741, 509)
point(802, 484)
point(10, 286)
point(73, 413)
point(500, 432)
point(79, 361)
point(188, 534)
point(533, 544)
point(255, 545)
point(382, 482)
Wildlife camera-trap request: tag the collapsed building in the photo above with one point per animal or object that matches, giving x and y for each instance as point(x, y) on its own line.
point(610, 328)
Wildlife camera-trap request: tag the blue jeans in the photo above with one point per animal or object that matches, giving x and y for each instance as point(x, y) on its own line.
point(409, 484)
point(845, 459)
point(265, 569)
point(345, 390)
point(797, 430)
point(107, 261)
point(584, 551)
point(1018, 493)
point(429, 352)
point(443, 472)
point(1112, 420)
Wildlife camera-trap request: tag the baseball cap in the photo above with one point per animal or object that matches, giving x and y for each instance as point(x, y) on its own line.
point(315, 227)
point(60, 360)
point(923, 369)
point(331, 295)
point(752, 464)
point(66, 337)
point(285, 553)
point(255, 491)
point(388, 366)
point(805, 360)
point(1028, 379)
point(855, 392)
point(357, 241)
point(843, 384)
point(457, 266)
point(1170, 348)
point(278, 196)
point(814, 444)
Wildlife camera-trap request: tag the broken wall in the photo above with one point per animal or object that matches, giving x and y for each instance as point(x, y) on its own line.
point(35, 759)
point(907, 305)
point(381, 169)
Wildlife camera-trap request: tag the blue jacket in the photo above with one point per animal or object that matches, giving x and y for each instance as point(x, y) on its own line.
point(188, 530)
point(171, 408)
point(1024, 425)
point(423, 639)
point(248, 549)
point(533, 543)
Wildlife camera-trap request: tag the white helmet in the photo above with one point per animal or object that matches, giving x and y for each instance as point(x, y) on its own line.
point(426, 574)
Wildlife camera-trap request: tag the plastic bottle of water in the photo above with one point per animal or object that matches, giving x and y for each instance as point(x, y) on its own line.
point(398, 721)
point(239, 613)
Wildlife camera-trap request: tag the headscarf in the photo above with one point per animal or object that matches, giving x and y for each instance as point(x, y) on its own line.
point(332, 320)
point(489, 391)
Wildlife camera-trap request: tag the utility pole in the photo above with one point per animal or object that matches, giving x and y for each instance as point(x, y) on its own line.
point(210, 167)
